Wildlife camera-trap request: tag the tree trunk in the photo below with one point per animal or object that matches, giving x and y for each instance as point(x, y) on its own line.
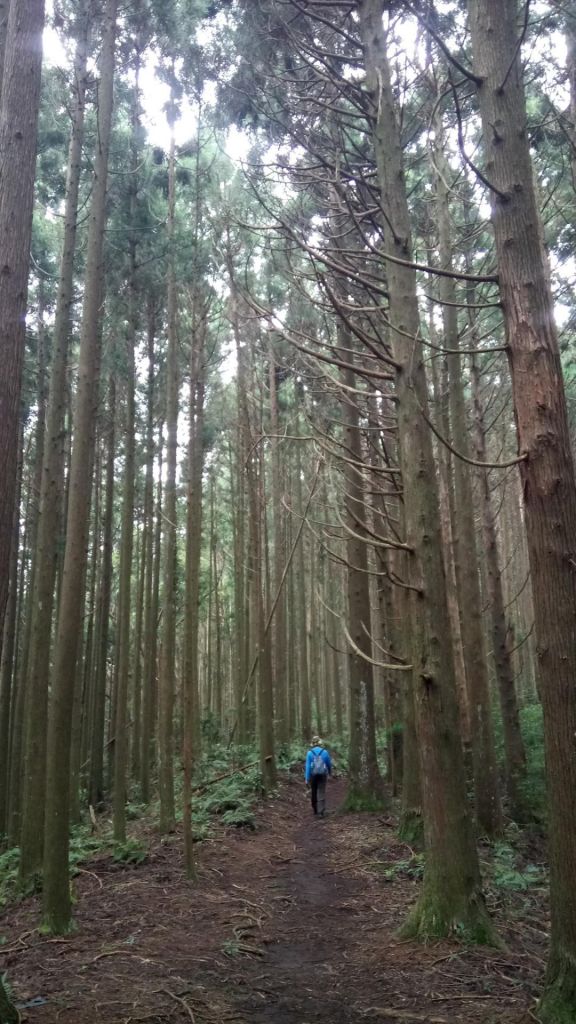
point(238, 490)
point(365, 788)
point(50, 497)
point(265, 709)
point(301, 603)
point(313, 650)
point(191, 700)
point(18, 135)
point(547, 469)
point(169, 595)
point(7, 666)
point(514, 753)
point(137, 694)
point(451, 900)
point(279, 635)
point(260, 661)
point(446, 504)
point(83, 662)
point(150, 647)
point(121, 740)
point(487, 796)
point(56, 880)
point(98, 705)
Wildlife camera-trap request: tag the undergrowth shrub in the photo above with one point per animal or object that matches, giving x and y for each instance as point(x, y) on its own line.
point(533, 790)
point(131, 851)
point(84, 844)
point(508, 873)
point(8, 1012)
point(411, 867)
point(232, 798)
point(9, 875)
point(534, 787)
point(291, 756)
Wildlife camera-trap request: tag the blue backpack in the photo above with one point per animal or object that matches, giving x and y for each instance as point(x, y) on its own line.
point(318, 766)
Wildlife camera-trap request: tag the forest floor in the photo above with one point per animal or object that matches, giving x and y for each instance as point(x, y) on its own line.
point(292, 923)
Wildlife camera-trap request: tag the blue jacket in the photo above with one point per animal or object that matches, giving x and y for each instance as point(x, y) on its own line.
point(310, 757)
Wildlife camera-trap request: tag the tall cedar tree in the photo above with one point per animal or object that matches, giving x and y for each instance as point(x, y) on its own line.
point(169, 593)
point(451, 898)
point(547, 468)
point(56, 882)
point(19, 106)
point(51, 489)
point(486, 790)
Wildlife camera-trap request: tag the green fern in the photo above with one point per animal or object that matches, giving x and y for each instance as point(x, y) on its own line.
point(130, 852)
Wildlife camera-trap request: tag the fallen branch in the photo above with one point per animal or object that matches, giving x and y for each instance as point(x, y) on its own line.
point(225, 775)
point(182, 1003)
point(18, 947)
point(83, 871)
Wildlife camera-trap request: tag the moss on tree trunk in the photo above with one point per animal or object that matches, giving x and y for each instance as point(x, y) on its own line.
point(441, 912)
point(559, 999)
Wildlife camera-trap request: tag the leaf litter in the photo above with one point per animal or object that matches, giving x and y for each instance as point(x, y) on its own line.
point(293, 922)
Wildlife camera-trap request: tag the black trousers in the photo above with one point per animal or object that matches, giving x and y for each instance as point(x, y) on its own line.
point(318, 793)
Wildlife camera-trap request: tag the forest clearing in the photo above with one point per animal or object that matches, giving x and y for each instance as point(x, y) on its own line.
point(287, 437)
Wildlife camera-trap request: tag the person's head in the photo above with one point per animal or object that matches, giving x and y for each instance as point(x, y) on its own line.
point(317, 742)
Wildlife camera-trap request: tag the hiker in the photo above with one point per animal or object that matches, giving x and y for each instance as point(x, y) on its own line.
point(318, 768)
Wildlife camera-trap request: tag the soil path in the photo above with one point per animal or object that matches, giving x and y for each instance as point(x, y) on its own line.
point(291, 924)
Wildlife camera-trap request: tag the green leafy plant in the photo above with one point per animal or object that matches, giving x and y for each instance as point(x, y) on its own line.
point(135, 810)
point(534, 785)
point(411, 867)
point(241, 816)
point(130, 852)
point(8, 1012)
point(507, 875)
point(9, 875)
point(83, 846)
point(231, 947)
point(230, 798)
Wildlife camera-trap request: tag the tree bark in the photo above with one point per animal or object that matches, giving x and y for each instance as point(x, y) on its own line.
point(169, 595)
point(365, 789)
point(149, 654)
point(98, 703)
point(446, 504)
point(56, 902)
point(486, 789)
point(121, 740)
point(191, 700)
point(514, 753)
point(547, 469)
point(451, 900)
point(279, 635)
point(7, 666)
point(50, 496)
point(19, 106)
point(301, 601)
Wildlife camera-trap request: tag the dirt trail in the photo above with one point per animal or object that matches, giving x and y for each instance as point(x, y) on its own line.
point(309, 941)
point(291, 924)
